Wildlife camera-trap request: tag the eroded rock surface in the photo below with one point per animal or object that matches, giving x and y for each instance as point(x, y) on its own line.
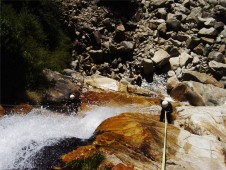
point(137, 140)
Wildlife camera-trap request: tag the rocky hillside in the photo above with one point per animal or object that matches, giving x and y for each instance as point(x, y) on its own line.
point(135, 39)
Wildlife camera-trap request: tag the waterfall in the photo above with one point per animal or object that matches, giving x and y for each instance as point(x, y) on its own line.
point(22, 136)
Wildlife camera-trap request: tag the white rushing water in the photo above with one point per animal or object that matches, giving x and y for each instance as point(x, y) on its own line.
point(21, 136)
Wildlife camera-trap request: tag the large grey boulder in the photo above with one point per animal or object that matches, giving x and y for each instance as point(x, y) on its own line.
point(198, 94)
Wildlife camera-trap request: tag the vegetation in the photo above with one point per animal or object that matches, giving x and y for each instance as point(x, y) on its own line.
point(89, 163)
point(32, 38)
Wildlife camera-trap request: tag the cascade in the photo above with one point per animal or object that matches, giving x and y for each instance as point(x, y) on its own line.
point(23, 136)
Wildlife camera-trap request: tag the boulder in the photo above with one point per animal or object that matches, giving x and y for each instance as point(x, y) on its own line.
point(217, 69)
point(203, 120)
point(63, 87)
point(137, 140)
point(198, 94)
point(200, 77)
point(161, 57)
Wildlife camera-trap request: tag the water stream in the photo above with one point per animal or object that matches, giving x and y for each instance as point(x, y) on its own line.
point(23, 136)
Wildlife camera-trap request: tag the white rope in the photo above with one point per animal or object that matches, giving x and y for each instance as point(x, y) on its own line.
point(164, 148)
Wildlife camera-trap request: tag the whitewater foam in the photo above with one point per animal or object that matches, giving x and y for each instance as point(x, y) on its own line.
point(21, 136)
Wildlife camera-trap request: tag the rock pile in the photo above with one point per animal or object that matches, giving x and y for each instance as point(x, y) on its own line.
point(133, 39)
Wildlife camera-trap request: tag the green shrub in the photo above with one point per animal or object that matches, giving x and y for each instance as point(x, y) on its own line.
point(90, 163)
point(32, 38)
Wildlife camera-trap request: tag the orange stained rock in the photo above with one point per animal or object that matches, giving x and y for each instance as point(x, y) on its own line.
point(99, 97)
point(133, 138)
point(22, 108)
point(121, 166)
point(80, 153)
point(2, 111)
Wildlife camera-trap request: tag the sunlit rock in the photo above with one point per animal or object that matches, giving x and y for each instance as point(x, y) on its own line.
point(137, 140)
point(108, 84)
point(200, 77)
point(105, 83)
point(199, 94)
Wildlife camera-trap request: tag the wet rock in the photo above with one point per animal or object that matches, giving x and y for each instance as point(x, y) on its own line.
point(21, 109)
point(2, 111)
point(199, 94)
point(200, 77)
point(161, 57)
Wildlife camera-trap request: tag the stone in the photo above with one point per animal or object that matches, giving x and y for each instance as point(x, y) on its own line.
point(203, 120)
point(194, 14)
point(97, 55)
point(200, 77)
point(207, 40)
point(171, 83)
point(161, 57)
point(199, 49)
point(217, 69)
point(69, 71)
point(129, 46)
point(148, 66)
point(161, 3)
point(192, 42)
point(198, 94)
point(208, 32)
point(174, 62)
point(63, 87)
point(208, 22)
point(216, 56)
point(104, 83)
point(223, 81)
point(173, 24)
point(120, 27)
point(2, 111)
point(184, 59)
point(21, 109)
